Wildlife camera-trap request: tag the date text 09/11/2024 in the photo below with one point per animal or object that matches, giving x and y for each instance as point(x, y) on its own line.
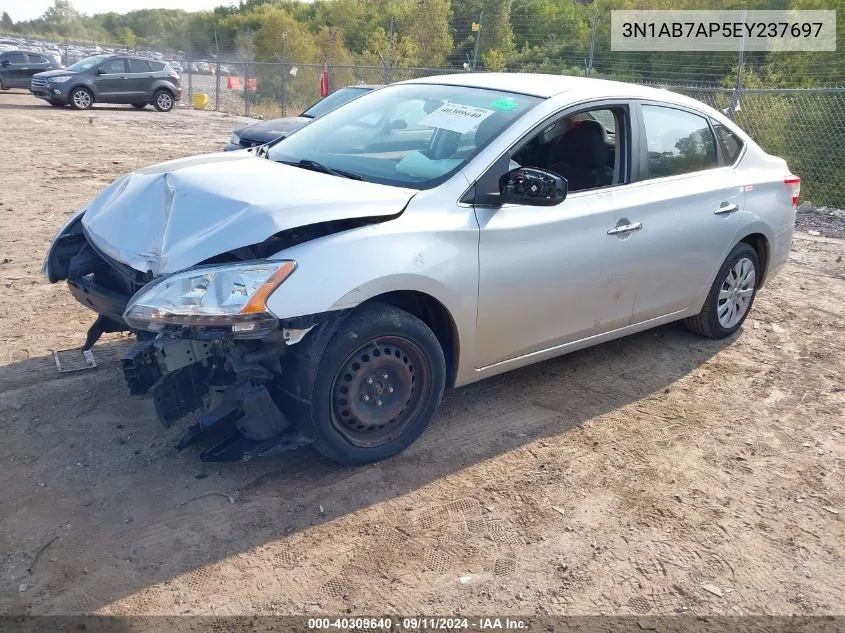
point(418, 623)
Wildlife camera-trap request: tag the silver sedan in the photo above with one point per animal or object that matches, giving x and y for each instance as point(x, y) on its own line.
point(328, 287)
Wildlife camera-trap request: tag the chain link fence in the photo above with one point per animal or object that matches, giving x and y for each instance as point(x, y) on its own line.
point(804, 126)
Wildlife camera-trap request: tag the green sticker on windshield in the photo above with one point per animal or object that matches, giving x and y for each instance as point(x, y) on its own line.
point(504, 104)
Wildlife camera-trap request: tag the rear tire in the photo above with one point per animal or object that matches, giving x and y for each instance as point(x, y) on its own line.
point(377, 385)
point(163, 100)
point(81, 99)
point(731, 295)
point(139, 106)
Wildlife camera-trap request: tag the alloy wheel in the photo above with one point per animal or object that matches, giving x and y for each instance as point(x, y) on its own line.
point(164, 101)
point(81, 99)
point(736, 293)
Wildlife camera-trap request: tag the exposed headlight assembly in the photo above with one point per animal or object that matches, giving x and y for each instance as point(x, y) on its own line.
point(231, 296)
point(235, 140)
point(45, 266)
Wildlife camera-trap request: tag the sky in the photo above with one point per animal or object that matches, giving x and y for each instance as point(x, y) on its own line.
point(30, 9)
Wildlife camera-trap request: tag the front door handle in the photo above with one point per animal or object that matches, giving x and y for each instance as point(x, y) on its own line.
point(726, 208)
point(625, 228)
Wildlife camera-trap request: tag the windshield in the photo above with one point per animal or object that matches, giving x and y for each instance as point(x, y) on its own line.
point(407, 135)
point(85, 64)
point(334, 101)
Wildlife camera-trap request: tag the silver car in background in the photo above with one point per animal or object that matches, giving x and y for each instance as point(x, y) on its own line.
point(328, 288)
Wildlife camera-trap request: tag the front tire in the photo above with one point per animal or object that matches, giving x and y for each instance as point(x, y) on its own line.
point(56, 104)
point(163, 100)
point(139, 106)
point(731, 295)
point(81, 99)
point(377, 386)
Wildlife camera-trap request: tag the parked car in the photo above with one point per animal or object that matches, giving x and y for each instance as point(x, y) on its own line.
point(430, 234)
point(176, 66)
point(17, 67)
point(260, 133)
point(110, 79)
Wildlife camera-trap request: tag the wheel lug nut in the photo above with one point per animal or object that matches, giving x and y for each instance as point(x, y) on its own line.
point(378, 403)
point(366, 398)
point(384, 376)
point(390, 390)
point(369, 381)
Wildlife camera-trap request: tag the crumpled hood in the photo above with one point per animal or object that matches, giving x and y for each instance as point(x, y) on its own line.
point(172, 216)
point(271, 130)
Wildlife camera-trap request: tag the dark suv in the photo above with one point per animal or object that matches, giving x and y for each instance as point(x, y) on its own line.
point(110, 79)
point(18, 67)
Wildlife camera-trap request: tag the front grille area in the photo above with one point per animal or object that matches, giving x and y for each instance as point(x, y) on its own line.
point(38, 83)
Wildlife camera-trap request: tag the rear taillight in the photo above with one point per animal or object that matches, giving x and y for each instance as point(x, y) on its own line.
point(795, 183)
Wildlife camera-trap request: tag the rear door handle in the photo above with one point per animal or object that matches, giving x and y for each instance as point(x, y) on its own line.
point(726, 208)
point(625, 228)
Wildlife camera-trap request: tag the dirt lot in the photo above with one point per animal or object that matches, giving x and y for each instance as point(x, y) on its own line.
point(661, 473)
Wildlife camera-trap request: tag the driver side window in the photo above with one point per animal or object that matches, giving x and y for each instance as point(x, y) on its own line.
point(583, 147)
point(113, 67)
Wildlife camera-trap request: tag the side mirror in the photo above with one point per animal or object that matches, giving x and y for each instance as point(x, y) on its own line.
point(533, 187)
point(101, 71)
point(397, 124)
point(5, 63)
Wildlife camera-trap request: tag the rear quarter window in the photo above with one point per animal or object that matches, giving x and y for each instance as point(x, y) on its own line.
point(157, 66)
point(730, 144)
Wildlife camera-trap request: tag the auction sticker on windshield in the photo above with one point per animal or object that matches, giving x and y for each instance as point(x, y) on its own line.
point(455, 117)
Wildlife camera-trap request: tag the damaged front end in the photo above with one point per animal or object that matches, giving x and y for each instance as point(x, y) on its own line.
point(206, 341)
point(238, 383)
point(185, 254)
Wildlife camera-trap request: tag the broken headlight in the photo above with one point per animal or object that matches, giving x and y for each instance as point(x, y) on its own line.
point(231, 296)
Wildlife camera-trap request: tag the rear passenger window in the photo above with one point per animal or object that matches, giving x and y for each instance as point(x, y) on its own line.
point(16, 58)
point(729, 142)
point(139, 66)
point(35, 59)
point(157, 66)
point(679, 142)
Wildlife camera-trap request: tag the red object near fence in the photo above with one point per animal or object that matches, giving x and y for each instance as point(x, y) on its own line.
point(324, 82)
point(233, 83)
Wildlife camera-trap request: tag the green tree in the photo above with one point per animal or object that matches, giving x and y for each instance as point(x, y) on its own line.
point(63, 18)
point(127, 37)
point(6, 22)
point(427, 24)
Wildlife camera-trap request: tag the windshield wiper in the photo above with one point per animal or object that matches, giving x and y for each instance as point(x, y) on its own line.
point(313, 165)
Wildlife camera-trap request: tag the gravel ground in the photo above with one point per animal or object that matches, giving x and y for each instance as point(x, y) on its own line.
point(820, 221)
point(661, 473)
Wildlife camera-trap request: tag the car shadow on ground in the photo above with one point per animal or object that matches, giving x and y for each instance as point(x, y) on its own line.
point(89, 471)
point(97, 107)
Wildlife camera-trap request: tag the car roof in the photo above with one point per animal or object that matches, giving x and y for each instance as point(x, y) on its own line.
point(547, 86)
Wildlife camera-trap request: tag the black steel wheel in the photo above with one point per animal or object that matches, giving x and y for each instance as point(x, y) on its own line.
point(378, 383)
point(379, 391)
